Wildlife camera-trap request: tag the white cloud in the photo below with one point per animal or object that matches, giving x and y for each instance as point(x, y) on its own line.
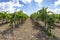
point(29, 1)
point(18, 10)
point(24, 11)
point(38, 1)
point(56, 3)
point(55, 10)
point(6, 6)
point(26, 1)
point(9, 6)
point(17, 4)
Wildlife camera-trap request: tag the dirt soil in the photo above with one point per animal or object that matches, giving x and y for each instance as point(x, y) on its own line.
point(27, 31)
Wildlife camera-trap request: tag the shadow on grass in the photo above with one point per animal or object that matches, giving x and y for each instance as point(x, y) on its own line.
point(41, 35)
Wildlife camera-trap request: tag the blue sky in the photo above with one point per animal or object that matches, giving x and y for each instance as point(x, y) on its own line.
point(29, 6)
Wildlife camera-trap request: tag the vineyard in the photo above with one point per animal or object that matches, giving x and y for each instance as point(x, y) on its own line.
point(40, 25)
